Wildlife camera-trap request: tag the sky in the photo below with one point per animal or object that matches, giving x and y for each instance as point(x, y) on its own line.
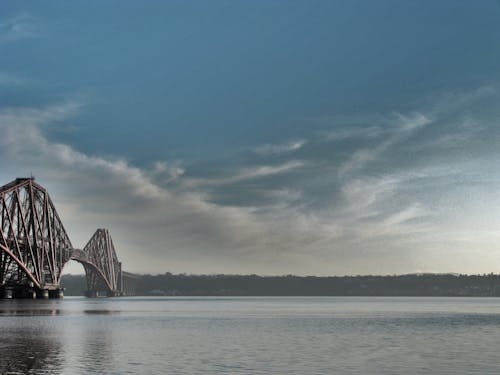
point(261, 137)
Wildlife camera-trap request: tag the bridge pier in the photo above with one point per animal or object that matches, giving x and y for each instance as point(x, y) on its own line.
point(56, 293)
point(91, 294)
point(42, 294)
point(97, 294)
point(114, 294)
point(49, 293)
point(29, 292)
point(7, 292)
point(19, 291)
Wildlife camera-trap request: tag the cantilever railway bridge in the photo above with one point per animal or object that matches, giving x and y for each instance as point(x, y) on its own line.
point(34, 247)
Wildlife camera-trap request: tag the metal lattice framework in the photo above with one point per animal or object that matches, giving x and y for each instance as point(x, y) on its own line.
point(34, 246)
point(34, 243)
point(101, 264)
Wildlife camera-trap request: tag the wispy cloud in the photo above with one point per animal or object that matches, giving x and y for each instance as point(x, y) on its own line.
point(341, 134)
point(246, 174)
point(261, 171)
point(11, 79)
point(463, 131)
point(407, 214)
point(279, 149)
point(18, 27)
point(404, 128)
point(457, 100)
point(168, 172)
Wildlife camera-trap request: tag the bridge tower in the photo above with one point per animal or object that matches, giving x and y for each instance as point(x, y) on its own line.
point(102, 268)
point(34, 245)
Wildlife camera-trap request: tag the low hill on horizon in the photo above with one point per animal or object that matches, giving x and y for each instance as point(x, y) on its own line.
point(421, 284)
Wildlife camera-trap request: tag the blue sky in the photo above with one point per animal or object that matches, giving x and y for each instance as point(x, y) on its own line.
point(271, 137)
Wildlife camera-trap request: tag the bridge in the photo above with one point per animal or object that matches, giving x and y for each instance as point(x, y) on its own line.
point(34, 248)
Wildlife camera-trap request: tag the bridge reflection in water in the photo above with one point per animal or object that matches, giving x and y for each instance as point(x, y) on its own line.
point(56, 337)
point(30, 350)
point(34, 248)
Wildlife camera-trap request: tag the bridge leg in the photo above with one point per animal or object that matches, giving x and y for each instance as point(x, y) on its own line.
point(91, 294)
point(7, 292)
point(42, 293)
point(114, 293)
point(56, 293)
point(24, 291)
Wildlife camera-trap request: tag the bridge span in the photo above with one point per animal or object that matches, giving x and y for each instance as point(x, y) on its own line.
point(34, 248)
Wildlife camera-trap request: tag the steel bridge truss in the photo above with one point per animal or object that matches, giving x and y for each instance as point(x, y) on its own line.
point(102, 268)
point(34, 246)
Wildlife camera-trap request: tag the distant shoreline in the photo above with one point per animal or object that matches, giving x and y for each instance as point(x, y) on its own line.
point(421, 285)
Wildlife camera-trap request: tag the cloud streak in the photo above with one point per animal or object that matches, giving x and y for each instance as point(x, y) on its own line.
point(405, 127)
point(21, 26)
point(280, 149)
point(11, 80)
point(251, 173)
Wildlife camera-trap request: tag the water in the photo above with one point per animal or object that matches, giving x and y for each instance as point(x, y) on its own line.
point(297, 335)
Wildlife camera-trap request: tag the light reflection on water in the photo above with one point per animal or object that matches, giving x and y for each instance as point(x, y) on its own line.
point(250, 336)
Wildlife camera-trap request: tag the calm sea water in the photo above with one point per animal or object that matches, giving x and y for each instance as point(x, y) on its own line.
point(331, 335)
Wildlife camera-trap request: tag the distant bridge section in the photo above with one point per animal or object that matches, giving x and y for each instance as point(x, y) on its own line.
point(34, 247)
point(102, 268)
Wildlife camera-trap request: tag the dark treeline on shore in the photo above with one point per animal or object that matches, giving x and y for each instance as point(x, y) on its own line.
point(252, 285)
